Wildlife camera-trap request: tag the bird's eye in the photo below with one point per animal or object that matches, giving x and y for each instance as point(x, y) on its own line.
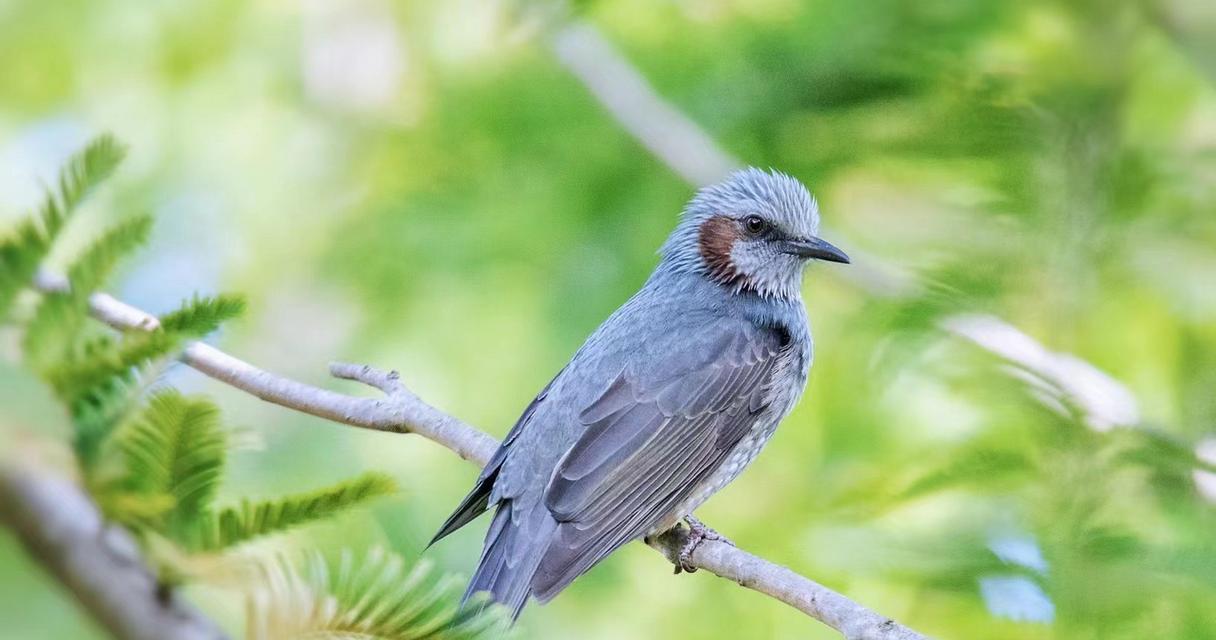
point(754, 225)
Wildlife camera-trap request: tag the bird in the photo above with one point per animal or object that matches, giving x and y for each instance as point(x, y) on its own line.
point(664, 404)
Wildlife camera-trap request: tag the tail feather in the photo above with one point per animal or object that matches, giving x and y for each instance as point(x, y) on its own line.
point(492, 555)
point(515, 543)
point(470, 508)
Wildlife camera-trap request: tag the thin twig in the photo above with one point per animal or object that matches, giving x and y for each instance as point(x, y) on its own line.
point(389, 383)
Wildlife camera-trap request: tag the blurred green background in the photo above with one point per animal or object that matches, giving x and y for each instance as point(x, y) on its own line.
point(422, 185)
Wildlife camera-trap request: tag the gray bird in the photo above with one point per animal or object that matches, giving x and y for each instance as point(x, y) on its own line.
point(667, 402)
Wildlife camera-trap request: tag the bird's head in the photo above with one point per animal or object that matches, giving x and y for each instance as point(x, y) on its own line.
point(755, 231)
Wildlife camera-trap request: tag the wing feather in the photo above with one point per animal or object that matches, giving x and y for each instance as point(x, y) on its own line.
point(651, 439)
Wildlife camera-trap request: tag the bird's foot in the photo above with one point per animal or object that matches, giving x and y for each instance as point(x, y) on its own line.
point(698, 532)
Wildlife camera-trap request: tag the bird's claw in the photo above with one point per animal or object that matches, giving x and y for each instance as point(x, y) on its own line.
point(698, 532)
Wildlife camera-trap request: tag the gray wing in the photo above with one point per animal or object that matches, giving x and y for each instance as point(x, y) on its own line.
point(651, 439)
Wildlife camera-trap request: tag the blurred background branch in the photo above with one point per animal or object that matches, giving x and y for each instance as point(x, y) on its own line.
point(658, 126)
point(97, 561)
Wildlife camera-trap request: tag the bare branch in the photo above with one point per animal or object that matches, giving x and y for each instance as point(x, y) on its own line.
point(99, 564)
point(1104, 402)
point(389, 383)
point(105, 307)
point(852, 620)
point(402, 411)
point(407, 413)
point(654, 123)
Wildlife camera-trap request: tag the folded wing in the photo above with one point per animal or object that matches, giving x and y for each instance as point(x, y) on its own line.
point(656, 433)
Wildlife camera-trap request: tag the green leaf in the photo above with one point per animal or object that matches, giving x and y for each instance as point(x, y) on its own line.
point(96, 362)
point(80, 176)
point(97, 377)
point(98, 261)
point(29, 244)
point(95, 413)
point(56, 325)
point(20, 255)
point(105, 360)
point(1159, 450)
point(972, 468)
point(177, 448)
point(138, 510)
point(375, 598)
point(248, 520)
point(55, 328)
point(202, 315)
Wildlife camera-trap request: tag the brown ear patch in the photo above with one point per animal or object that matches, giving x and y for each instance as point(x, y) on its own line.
point(717, 238)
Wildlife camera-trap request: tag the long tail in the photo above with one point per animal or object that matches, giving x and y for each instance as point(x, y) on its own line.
point(515, 543)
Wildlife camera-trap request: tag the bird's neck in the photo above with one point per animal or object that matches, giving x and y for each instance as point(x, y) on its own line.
point(692, 275)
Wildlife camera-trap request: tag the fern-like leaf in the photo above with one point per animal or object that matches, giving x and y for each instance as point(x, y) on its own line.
point(98, 261)
point(248, 520)
point(98, 376)
point(202, 315)
point(376, 598)
point(95, 413)
point(98, 361)
point(20, 254)
point(175, 448)
point(57, 322)
point(53, 331)
point(83, 173)
point(108, 360)
point(29, 244)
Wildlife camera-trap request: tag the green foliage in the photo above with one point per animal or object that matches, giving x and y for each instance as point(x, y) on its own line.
point(61, 315)
point(97, 362)
point(103, 359)
point(93, 267)
point(234, 525)
point(202, 315)
point(376, 598)
point(168, 463)
point(175, 450)
point(971, 469)
point(94, 374)
point(155, 462)
point(20, 254)
point(82, 174)
point(29, 244)
point(97, 377)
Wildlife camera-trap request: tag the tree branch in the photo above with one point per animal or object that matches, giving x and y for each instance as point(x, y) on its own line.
point(100, 564)
point(653, 122)
point(401, 411)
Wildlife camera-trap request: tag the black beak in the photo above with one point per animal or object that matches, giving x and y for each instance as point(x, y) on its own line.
point(814, 248)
